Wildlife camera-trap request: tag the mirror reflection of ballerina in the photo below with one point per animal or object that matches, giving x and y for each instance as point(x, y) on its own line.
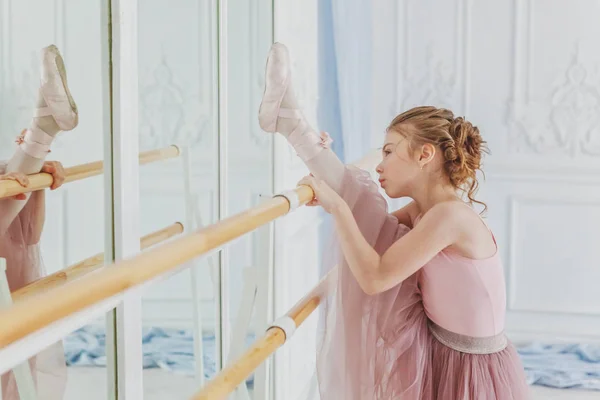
point(22, 217)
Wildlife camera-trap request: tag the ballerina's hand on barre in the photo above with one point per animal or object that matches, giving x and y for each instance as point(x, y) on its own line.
point(54, 168)
point(325, 196)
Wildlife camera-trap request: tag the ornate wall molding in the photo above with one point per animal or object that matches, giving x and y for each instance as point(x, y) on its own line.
point(518, 288)
point(170, 110)
point(169, 113)
point(566, 121)
point(438, 84)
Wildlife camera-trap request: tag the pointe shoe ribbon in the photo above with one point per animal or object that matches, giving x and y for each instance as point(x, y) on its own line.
point(305, 141)
point(326, 140)
point(34, 142)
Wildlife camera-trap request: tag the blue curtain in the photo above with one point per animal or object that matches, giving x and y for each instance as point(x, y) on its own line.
point(328, 108)
point(345, 51)
point(345, 44)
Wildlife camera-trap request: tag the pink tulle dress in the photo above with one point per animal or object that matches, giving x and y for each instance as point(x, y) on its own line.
point(437, 335)
point(20, 247)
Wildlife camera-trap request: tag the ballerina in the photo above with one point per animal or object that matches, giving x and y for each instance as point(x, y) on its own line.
point(418, 310)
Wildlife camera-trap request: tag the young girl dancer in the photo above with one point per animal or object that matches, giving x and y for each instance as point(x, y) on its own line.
point(418, 310)
point(22, 217)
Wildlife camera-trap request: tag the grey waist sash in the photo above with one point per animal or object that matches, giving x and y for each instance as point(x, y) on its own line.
point(469, 344)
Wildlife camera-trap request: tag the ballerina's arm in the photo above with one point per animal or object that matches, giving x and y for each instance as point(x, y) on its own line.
point(374, 273)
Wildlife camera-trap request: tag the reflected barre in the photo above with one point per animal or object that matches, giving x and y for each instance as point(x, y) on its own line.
point(43, 180)
point(229, 378)
point(91, 264)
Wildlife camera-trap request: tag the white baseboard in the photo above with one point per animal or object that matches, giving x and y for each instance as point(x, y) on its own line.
point(524, 337)
point(527, 326)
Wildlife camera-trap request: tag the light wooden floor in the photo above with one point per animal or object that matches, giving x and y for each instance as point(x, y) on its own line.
point(90, 384)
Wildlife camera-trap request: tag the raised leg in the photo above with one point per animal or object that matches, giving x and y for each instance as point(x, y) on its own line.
point(279, 112)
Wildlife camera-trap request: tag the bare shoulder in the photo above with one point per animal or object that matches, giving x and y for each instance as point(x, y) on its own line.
point(471, 236)
point(455, 215)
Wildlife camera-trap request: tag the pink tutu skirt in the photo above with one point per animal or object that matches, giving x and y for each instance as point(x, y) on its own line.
point(382, 347)
point(375, 351)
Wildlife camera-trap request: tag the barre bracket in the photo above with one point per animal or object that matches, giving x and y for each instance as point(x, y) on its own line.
point(292, 197)
point(286, 324)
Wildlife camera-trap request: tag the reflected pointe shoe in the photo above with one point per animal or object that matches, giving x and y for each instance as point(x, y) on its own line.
point(55, 91)
point(56, 110)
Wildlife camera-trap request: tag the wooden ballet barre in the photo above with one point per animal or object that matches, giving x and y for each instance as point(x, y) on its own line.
point(226, 381)
point(36, 312)
point(91, 264)
point(43, 180)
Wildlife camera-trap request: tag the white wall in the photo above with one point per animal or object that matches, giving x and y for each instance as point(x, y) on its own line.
point(296, 242)
point(296, 235)
point(527, 73)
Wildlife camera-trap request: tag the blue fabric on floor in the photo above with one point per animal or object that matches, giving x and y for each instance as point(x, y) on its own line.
point(168, 349)
point(562, 365)
point(554, 365)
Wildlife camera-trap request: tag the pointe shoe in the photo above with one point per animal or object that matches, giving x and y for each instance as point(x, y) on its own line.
point(55, 91)
point(293, 124)
point(277, 81)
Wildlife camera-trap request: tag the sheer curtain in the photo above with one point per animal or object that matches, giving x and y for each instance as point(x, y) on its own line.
point(345, 75)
